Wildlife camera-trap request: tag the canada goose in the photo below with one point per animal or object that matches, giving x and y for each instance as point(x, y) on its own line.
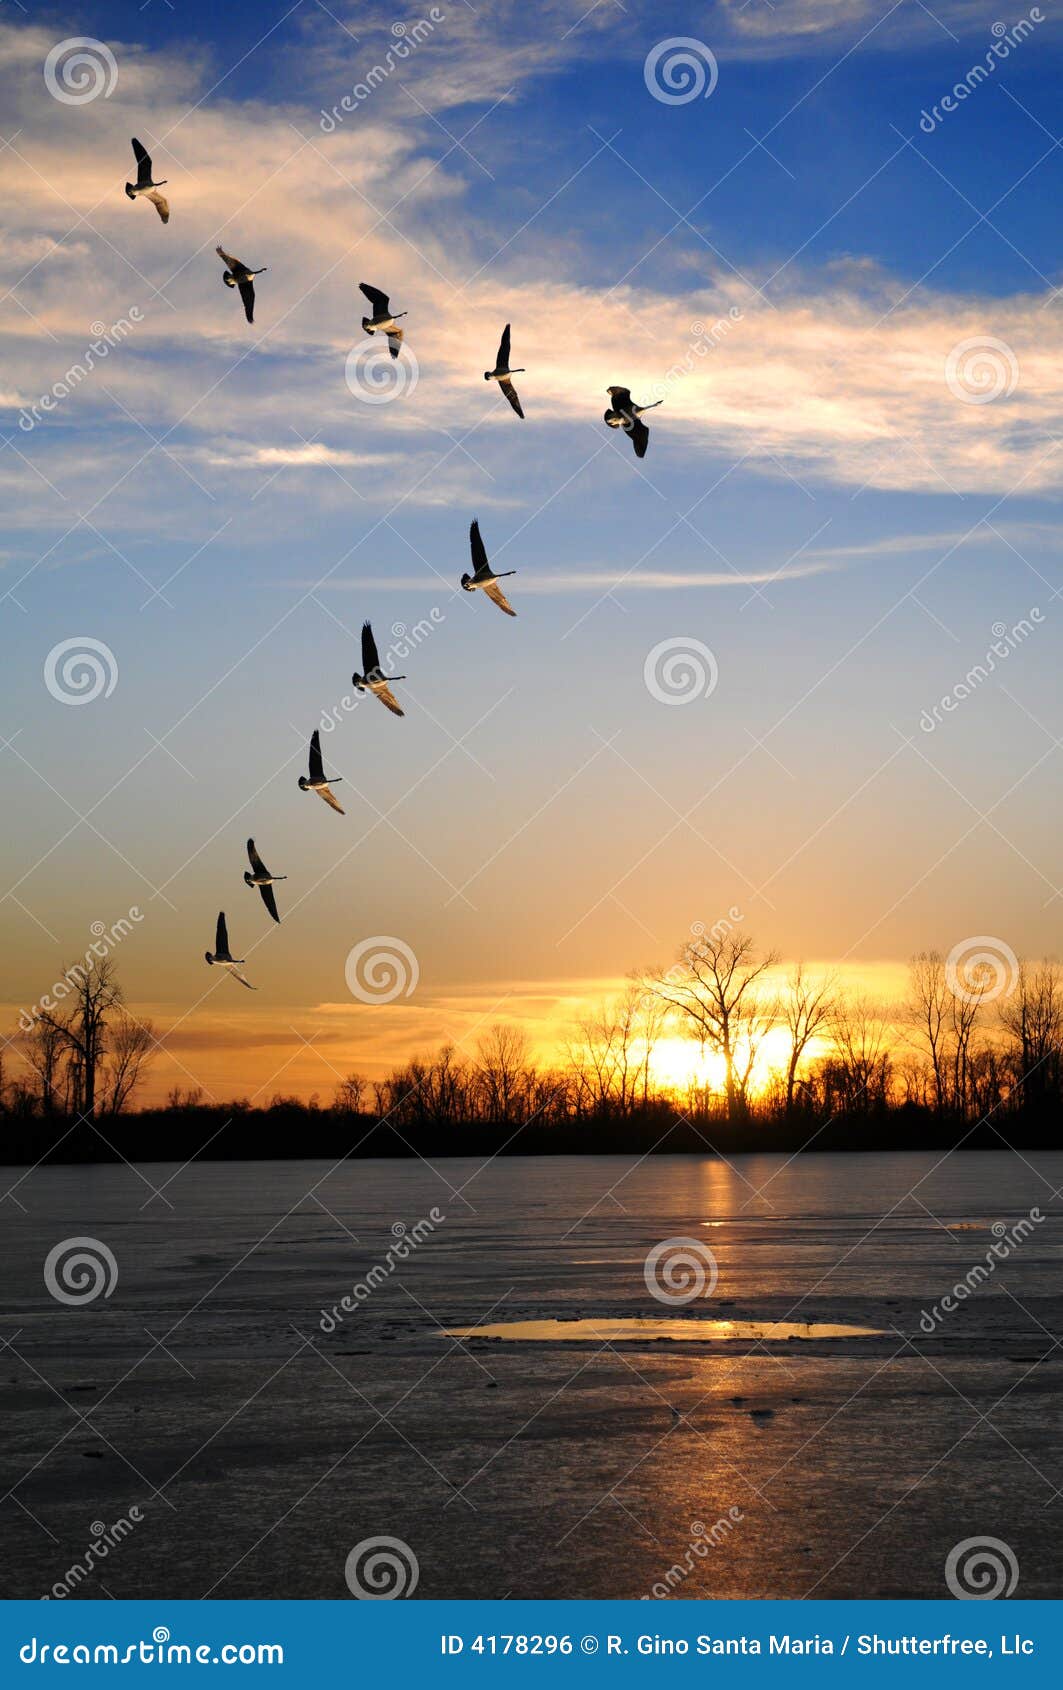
point(223, 957)
point(317, 782)
point(374, 680)
point(261, 877)
point(383, 317)
point(239, 276)
point(144, 184)
point(484, 576)
point(502, 372)
point(624, 414)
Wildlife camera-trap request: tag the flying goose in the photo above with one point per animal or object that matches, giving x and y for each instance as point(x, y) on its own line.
point(624, 414)
point(374, 680)
point(317, 782)
point(484, 576)
point(239, 276)
point(144, 184)
point(261, 877)
point(383, 317)
point(224, 957)
point(502, 372)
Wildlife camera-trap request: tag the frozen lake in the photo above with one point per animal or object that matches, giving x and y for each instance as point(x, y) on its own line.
point(262, 1428)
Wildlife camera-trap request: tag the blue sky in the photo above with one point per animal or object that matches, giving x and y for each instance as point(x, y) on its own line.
point(827, 504)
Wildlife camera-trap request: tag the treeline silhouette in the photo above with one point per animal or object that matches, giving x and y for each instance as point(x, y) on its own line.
point(972, 1056)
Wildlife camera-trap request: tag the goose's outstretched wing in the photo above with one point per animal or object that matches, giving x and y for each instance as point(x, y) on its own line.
point(233, 263)
point(511, 394)
point(497, 596)
point(479, 551)
point(386, 696)
point(317, 767)
point(330, 798)
point(257, 865)
point(621, 397)
point(640, 435)
point(270, 901)
point(221, 937)
point(502, 361)
point(370, 655)
point(143, 159)
point(379, 301)
point(235, 972)
point(161, 204)
point(247, 294)
point(394, 342)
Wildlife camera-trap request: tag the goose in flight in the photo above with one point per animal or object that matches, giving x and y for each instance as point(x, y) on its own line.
point(374, 680)
point(237, 275)
point(622, 413)
point(502, 372)
point(144, 184)
point(383, 317)
point(224, 957)
point(317, 782)
point(484, 576)
point(261, 877)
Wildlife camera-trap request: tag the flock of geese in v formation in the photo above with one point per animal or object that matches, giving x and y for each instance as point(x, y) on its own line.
point(622, 413)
